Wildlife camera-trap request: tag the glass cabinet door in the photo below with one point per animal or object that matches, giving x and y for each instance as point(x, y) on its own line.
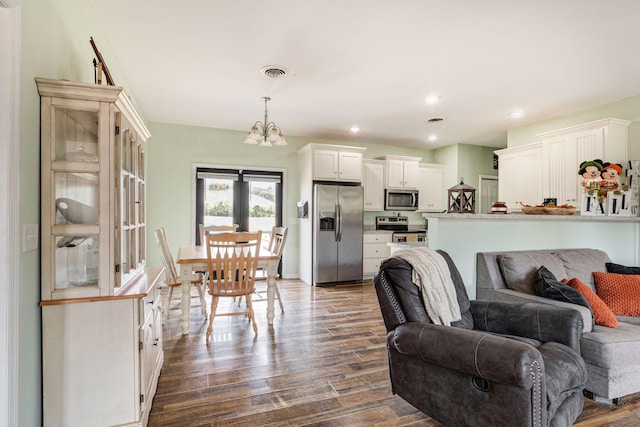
point(92, 190)
point(130, 236)
point(74, 149)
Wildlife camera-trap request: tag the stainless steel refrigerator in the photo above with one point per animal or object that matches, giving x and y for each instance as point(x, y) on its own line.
point(337, 233)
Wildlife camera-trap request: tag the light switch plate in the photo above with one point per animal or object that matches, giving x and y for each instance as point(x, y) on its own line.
point(30, 237)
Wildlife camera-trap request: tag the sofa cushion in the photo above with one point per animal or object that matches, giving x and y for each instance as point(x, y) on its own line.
point(602, 315)
point(621, 292)
point(612, 349)
point(581, 263)
point(519, 269)
point(621, 269)
point(546, 285)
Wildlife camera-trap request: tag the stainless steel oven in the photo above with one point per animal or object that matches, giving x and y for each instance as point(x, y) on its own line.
point(409, 236)
point(400, 227)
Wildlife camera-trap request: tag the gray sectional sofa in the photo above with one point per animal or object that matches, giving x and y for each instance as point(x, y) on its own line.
point(612, 355)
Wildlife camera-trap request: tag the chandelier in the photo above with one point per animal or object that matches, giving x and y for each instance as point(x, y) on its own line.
point(266, 133)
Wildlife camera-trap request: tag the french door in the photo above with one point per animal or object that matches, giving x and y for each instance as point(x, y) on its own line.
point(250, 198)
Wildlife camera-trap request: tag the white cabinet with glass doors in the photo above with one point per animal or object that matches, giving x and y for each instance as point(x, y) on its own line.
point(100, 303)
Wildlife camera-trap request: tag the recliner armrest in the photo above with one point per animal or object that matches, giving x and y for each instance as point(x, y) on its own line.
point(541, 322)
point(469, 351)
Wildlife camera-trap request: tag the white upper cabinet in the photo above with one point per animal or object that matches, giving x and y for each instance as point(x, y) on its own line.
point(373, 183)
point(430, 192)
point(519, 175)
point(336, 163)
point(563, 150)
point(401, 172)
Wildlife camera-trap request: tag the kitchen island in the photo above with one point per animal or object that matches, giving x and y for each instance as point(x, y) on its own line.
point(464, 235)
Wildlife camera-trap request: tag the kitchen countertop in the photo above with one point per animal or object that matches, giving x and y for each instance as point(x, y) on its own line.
point(525, 217)
point(374, 231)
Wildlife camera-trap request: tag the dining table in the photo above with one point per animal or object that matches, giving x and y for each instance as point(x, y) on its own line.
point(193, 258)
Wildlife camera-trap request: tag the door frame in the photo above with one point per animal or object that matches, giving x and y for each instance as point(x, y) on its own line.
point(481, 179)
point(10, 18)
point(194, 169)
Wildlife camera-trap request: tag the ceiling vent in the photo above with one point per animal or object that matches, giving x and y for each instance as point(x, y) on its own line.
point(273, 71)
point(435, 120)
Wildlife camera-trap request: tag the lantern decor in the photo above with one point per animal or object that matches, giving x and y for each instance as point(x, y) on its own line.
point(462, 198)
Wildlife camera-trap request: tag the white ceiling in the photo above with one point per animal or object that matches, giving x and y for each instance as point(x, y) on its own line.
point(371, 63)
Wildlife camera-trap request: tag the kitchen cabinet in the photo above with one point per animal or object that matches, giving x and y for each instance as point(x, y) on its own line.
point(563, 150)
point(401, 172)
point(373, 182)
point(337, 164)
point(519, 179)
point(374, 251)
point(318, 163)
point(430, 191)
point(102, 338)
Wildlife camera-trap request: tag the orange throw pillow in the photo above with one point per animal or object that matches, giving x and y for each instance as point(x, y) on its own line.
point(602, 315)
point(621, 292)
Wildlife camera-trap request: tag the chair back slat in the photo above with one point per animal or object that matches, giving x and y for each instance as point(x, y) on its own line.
point(278, 239)
point(232, 262)
point(215, 229)
point(171, 274)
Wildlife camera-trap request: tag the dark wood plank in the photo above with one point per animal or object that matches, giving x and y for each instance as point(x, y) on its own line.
point(322, 363)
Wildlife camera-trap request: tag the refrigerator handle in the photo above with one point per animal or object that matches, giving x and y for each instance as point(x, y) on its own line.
point(339, 226)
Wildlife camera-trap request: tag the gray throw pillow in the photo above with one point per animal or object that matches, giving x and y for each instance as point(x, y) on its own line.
point(546, 285)
point(621, 269)
point(519, 269)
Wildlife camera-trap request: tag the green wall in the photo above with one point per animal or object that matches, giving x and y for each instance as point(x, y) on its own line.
point(173, 150)
point(465, 161)
point(55, 44)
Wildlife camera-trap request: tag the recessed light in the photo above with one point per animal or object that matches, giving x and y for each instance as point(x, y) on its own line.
point(354, 129)
point(516, 114)
point(433, 137)
point(432, 99)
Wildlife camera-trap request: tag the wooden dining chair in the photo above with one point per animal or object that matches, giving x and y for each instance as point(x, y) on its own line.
point(214, 228)
point(232, 260)
point(172, 280)
point(276, 246)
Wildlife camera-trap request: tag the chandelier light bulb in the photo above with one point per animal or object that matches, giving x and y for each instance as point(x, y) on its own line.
point(265, 134)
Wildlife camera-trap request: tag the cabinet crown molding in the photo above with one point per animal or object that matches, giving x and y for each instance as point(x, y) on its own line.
point(585, 126)
point(404, 158)
point(519, 147)
point(315, 146)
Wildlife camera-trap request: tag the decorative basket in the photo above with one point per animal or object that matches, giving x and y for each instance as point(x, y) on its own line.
point(548, 210)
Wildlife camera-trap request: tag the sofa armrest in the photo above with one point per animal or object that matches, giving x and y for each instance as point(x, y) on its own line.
point(540, 322)
point(515, 296)
point(469, 351)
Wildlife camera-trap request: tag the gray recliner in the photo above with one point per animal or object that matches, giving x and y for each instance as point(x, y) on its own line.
point(502, 364)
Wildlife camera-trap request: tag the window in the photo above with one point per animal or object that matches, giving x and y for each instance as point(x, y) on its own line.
point(250, 198)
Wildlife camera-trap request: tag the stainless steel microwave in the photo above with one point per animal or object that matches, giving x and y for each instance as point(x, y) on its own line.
point(400, 200)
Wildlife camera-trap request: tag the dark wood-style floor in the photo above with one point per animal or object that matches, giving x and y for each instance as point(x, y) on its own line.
point(322, 363)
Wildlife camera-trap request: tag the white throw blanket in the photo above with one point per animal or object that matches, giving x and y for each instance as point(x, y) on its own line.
point(431, 274)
